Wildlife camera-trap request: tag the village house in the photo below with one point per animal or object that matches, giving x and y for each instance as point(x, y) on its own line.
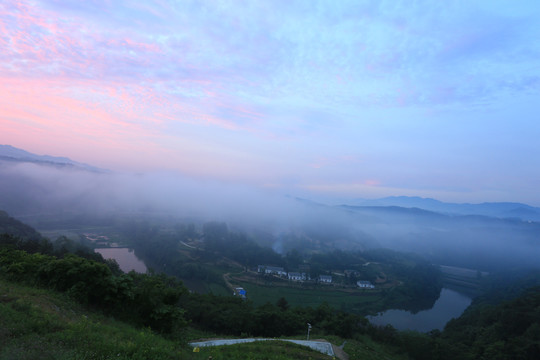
point(325, 279)
point(295, 276)
point(272, 270)
point(349, 273)
point(364, 284)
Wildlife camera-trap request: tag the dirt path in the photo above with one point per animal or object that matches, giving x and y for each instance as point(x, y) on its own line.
point(227, 282)
point(338, 351)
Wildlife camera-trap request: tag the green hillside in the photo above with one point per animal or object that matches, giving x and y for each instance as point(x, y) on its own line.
point(41, 324)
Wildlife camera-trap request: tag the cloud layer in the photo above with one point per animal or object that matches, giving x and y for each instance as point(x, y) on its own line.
point(338, 99)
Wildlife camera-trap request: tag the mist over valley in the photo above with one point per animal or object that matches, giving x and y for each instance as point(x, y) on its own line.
point(488, 236)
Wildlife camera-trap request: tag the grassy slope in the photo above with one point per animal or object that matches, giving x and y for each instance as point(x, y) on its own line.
point(41, 324)
point(363, 347)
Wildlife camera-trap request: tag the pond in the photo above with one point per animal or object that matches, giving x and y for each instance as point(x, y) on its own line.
point(450, 304)
point(125, 258)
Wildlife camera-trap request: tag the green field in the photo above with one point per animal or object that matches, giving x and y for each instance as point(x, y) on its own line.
point(218, 289)
point(358, 302)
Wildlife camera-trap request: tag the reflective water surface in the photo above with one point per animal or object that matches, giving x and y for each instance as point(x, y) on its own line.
point(125, 258)
point(450, 304)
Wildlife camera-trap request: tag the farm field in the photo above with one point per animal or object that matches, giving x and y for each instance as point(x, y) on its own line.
point(357, 301)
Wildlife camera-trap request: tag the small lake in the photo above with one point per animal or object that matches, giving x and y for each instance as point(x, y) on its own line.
point(125, 258)
point(450, 304)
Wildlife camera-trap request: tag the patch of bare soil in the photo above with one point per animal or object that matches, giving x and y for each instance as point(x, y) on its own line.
point(340, 354)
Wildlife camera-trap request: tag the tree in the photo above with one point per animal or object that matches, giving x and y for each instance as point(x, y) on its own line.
point(283, 304)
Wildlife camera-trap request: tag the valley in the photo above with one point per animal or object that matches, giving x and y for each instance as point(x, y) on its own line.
point(216, 263)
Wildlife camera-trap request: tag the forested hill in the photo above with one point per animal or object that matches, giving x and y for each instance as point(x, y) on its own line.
point(510, 330)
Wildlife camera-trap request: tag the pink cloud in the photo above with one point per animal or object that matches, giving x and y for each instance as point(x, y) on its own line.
point(47, 109)
point(66, 53)
point(64, 89)
point(37, 42)
point(90, 120)
point(372, 182)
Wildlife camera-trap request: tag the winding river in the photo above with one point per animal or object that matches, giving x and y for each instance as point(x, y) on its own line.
point(450, 304)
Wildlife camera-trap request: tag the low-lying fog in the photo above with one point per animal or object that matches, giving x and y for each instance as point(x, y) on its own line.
point(37, 194)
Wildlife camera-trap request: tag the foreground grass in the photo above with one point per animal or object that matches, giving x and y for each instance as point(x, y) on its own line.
point(363, 347)
point(41, 324)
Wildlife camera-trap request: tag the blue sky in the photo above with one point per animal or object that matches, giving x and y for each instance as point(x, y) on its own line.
point(323, 99)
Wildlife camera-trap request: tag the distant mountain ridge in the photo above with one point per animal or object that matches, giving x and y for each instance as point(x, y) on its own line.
point(492, 209)
point(11, 153)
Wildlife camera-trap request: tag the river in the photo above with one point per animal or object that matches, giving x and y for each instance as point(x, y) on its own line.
point(125, 258)
point(450, 304)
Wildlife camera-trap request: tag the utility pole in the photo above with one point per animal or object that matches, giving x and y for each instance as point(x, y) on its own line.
point(308, 330)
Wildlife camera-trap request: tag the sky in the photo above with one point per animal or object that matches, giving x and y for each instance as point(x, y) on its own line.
point(329, 100)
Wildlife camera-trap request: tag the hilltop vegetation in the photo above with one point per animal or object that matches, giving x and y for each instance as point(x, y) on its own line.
point(509, 330)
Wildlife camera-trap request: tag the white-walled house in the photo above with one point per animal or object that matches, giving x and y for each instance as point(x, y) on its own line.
point(273, 270)
point(325, 279)
point(295, 276)
point(364, 284)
